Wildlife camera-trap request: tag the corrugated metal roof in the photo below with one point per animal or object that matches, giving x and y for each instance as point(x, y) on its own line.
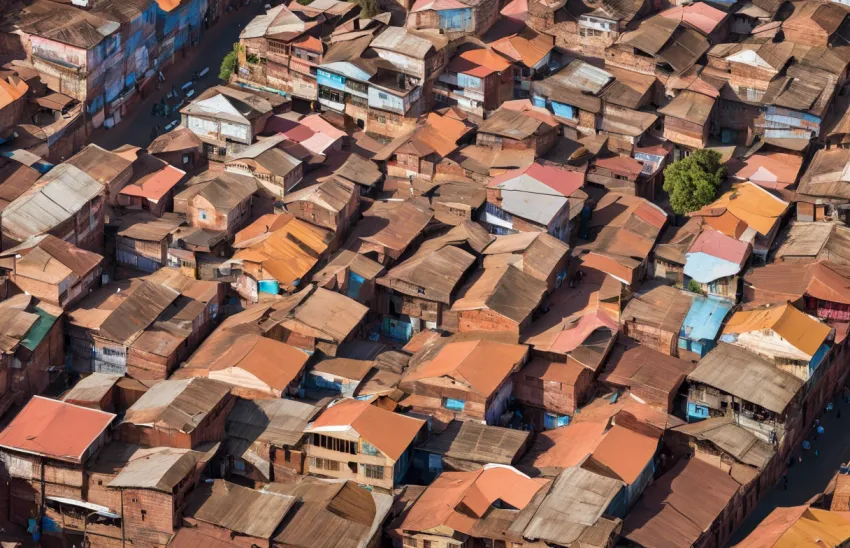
point(663, 307)
point(400, 40)
point(278, 422)
point(55, 198)
point(240, 509)
point(480, 366)
point(476, 442)
point(433, 275)
point(55, 429)
point(649, 374)
point(705, 317)
point(390, 432)
point(91, 389)
point(574, 502)
point(332, 513)
point(506, 290)
point(681, 505)
point(137, 312)
point(160, 470)
point(741, 373)
point(802, 331)
point(739, 442)
point(180, 404)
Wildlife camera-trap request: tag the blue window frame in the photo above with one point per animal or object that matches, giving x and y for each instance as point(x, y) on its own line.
point(454, 405)
point(697, 412)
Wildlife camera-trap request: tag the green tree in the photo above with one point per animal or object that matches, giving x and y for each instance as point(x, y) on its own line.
point(692, 182)
point(368, 8)
point(694, 286)
point(229, 63)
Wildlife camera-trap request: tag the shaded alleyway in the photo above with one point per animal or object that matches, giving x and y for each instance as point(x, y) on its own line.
point(215, 42)
point(812, 476)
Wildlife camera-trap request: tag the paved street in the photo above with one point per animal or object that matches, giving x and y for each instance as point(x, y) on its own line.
point(812, 476)
point(214, 45)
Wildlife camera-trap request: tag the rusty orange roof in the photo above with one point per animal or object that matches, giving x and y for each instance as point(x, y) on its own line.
point(567, 446)
point(625, 452)
point(457, 500)
point(55, 429)
point(309, 42)
point(390, 432)
point(155, 185)
point(799, 526)
point(521, 49)
point(11, 89)
point(549, 371)
point(802, 331)
point(746, 202)
point(287, 250)
point(483, 365)
point(479, 62)
point(272, 362)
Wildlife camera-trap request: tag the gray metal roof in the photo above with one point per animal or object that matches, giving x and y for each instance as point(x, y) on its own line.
point(575, 502)
point(743, 374)
point(55, 198)
point(160, 470)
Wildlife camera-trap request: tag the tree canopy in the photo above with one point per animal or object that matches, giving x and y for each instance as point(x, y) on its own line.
point(692, 182)
point(229, 63)
point(368, 8)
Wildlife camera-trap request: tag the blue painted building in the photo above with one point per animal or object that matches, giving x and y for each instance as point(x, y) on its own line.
point(701, 328)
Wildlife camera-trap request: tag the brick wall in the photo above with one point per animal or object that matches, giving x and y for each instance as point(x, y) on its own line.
point(148, 517)
point(211, 428)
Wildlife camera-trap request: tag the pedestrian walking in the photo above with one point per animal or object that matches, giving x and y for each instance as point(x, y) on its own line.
point(820, 430)
point(829, 406)
point(817, 454)
point(799, 459)
point(785, 481)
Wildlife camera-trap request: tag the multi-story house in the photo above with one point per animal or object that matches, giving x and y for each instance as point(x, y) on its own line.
point(356, 440)
point(226, 119)
point(53, 270)
point(76, 218)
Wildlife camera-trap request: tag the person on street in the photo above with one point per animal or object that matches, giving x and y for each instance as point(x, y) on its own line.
point(785, 481)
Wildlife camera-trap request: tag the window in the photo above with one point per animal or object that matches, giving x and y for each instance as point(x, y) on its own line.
point(334, 444)
point(239, 465)
point(453, 404)
point(410, 542)
point(185, 159)
point(372, 471)
point(324, 464)
point(367, 448)
point(383, 95)
point(202, 214)
point(426, 544)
